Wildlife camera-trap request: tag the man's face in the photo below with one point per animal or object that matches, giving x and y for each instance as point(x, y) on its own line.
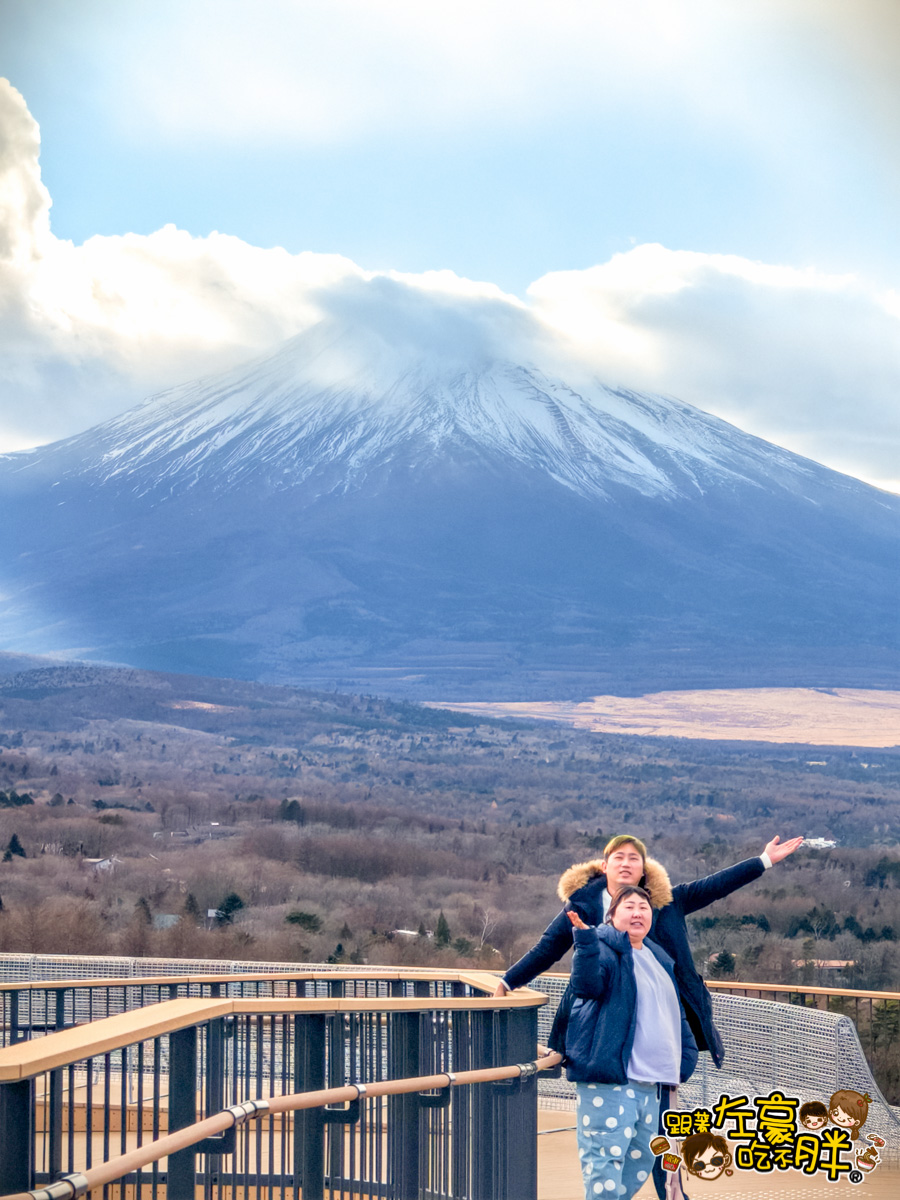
point(813, 1121)
point(622, 868)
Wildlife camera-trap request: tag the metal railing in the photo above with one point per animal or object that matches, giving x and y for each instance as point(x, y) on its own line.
point(432, 1091)
point(31, 1009)
point(74, 1095)
point(874, 1012)
point(123, 1094)
point(875, 1015)
point(131, 984)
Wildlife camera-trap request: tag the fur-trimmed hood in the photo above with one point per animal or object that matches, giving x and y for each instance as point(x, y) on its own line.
point(656, 880)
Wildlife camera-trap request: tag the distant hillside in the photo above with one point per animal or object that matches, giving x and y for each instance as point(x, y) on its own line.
point(12, 664)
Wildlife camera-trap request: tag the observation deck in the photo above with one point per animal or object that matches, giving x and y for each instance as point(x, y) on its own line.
point(237, 1081)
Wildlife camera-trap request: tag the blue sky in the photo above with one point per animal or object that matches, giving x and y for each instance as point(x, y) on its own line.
point(703, 194)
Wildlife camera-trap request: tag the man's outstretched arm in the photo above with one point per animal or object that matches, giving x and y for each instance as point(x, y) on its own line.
point(555, 941)
point(692, 896)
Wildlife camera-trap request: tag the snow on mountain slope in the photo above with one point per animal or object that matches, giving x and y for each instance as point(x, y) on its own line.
point(332, 396)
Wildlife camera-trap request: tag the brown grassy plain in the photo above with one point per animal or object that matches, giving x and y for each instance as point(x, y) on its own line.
point(816, 716)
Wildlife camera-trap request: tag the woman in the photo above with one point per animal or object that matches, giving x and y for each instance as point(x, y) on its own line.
point(623, 1035)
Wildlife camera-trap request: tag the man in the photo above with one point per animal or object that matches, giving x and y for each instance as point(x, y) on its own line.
point(588, 888)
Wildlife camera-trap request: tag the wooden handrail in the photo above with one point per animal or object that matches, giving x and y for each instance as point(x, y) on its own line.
point(181, 1139)
point(486, 980)
point(802, 987)
point(27, 1059)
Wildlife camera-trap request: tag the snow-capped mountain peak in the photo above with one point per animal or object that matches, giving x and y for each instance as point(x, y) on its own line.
point(427, 513)
point(348, 402)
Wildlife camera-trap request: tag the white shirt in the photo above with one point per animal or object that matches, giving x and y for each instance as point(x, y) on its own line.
point(656, 1053)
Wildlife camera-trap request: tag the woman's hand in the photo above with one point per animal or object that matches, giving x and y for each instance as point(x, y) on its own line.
point(576, 920)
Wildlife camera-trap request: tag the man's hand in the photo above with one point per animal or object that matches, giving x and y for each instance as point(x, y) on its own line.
point(777, 849)
point(501, 989)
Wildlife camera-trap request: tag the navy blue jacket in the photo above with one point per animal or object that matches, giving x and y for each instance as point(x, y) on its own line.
point(582, 888)
point(598, 1034)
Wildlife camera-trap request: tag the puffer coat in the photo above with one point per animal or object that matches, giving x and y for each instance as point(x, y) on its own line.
point(595, 1025)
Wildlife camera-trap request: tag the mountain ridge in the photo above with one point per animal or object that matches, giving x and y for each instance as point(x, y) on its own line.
point(517, 408)
point(351, 505)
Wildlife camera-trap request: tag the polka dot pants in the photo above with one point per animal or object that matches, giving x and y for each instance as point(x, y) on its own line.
point(615, 1125)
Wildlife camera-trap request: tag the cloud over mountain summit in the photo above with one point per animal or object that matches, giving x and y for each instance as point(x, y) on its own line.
point(804, 358)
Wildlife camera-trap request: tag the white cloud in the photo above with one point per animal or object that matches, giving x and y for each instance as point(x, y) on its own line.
point(88, 329)
point(807, 359)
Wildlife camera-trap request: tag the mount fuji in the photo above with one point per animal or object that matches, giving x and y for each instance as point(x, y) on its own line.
point(364, 510)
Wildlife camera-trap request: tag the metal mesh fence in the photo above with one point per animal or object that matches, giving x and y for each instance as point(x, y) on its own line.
point(26, 968)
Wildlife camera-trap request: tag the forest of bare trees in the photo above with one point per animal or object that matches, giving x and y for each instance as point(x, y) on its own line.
point(144, 814)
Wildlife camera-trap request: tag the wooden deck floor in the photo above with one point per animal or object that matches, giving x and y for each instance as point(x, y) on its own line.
point(559, 1175)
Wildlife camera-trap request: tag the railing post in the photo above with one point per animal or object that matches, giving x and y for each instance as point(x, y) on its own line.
point(215, 1078)
point(309, 1124)
point(517, 1109)
point(483, 1109)
point(54, 1133)
point(14, 1030)
point(182, 1110)
point(403, 1110)
point(16, 1136)
point(336, 1045)
point(462, 1033)
point(215, 1066)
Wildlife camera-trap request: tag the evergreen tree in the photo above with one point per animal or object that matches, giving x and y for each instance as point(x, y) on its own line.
point(311, 922)
point(442, 934)
point(14, 848)
point(724, 962)
point(229, 906)
point(191, 908)
point(291, 810)
point(142, 913)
